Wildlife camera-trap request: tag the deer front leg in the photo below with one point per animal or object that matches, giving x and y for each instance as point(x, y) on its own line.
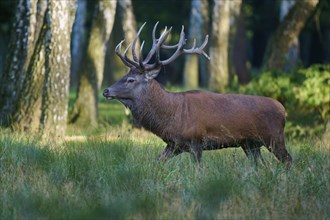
point(196, 150)
point(170, 151)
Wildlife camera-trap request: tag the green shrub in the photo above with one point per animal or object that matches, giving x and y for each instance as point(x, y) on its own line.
point(305, 93)
point(313, 94)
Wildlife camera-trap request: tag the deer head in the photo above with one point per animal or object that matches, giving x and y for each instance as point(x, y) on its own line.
point(134, 84)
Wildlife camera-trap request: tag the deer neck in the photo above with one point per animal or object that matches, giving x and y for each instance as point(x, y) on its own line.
point(155, 108)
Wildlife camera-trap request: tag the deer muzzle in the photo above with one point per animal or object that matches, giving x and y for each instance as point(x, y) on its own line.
point(107, 95)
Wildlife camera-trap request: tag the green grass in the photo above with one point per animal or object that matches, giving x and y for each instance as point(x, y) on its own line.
point(116, 175)
point(112, 172)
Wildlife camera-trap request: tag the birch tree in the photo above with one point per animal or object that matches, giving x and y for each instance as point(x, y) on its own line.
point(59, 20)
point(192, 63)
point(219, 70)
point(27, 109)
point(22, 42)
point(91, 72)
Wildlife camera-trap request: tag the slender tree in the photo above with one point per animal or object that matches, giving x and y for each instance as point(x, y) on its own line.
point(286, 34)
point(326, 135)
point(219, 71)
point(204, 63)
point(79, 37)
point(91, 73)
point(59, 20)
point(239, 51)
point(292, 57)
point(191, 67)
point(125, 25)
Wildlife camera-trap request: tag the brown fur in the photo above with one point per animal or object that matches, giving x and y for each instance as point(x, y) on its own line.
point(194, 121)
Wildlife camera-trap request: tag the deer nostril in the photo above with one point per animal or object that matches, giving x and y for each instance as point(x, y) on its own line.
point(106, 92)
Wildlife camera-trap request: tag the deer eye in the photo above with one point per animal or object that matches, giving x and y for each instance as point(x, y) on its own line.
point(130, 80)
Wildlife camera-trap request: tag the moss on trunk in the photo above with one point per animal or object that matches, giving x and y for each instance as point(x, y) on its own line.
point(287, 33)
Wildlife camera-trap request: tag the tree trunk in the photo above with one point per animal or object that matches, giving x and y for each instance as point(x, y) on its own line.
point(17, 58)
point(79, 38)
point(204, 63)
point(20, 55)
point(219, 71)
point(285, 35)
point(191, 70)
point(326, 135)
point(27, 110)
point(91, 73)
point(240, 49)
point(292, 57)
point(125, 26)
point(57, 69)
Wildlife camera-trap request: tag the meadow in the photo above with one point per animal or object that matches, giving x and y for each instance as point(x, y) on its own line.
point(113, 173)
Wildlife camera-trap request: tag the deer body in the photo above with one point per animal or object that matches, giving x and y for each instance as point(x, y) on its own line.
point(194, 121)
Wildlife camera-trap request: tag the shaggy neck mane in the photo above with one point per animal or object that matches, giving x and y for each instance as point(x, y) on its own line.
point(154, 109)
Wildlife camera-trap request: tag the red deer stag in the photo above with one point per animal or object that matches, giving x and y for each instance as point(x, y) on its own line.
point(194, 121)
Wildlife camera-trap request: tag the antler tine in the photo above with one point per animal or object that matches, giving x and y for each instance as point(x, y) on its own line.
point(178, 51)
point(198, 50)
point(118, 52)
point(141, 55)
point(157, 44)
point(172, 46)
point(164, 36)
point(134, 43)
point(154, 43)
point(127, 59)
point(203, 46)
point(155, 49)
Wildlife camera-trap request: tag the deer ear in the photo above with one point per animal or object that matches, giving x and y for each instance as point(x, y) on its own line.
point(151, 74)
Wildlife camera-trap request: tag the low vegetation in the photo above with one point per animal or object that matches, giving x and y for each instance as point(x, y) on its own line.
point(113, 172)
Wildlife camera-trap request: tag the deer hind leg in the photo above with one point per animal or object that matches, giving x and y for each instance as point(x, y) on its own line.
point(252, 151)
point(277, 147)
point(170, 151)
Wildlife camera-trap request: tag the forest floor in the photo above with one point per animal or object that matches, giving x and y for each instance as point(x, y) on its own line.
point(114, 173)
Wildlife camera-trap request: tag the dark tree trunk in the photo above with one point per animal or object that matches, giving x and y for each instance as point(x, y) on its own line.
point(240, 50)
point(287, 33)
point(26, 113)
point(57, 69)
point(16, 60)
point(79, 38)
point(91, 73)
point(204, 63)
point(22, 57)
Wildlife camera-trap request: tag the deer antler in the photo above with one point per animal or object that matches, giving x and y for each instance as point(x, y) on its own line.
point(157, 44)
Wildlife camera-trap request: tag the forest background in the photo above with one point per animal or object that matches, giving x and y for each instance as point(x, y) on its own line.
point(68, 153)
point(266, 48)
